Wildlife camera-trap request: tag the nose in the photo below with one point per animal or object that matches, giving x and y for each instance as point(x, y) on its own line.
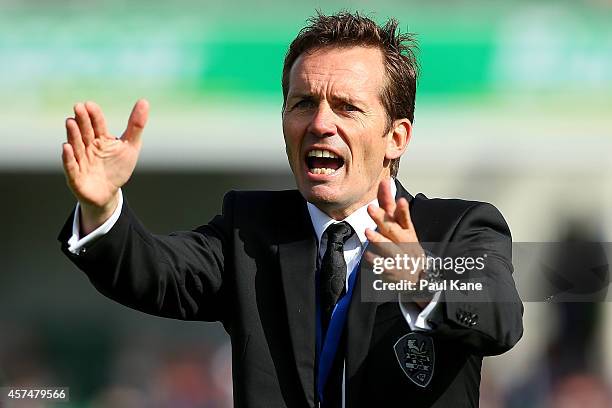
point(323, 123)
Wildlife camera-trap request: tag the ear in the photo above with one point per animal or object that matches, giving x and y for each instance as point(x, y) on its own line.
point(399, 137)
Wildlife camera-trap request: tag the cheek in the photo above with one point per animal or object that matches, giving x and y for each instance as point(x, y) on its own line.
point(292, 139)
point(369, 155)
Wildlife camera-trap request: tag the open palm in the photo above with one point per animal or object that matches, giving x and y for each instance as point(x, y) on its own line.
point(97, 163)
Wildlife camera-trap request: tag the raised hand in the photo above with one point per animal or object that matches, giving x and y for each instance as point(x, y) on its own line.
point(394, 236)
point(96, 163)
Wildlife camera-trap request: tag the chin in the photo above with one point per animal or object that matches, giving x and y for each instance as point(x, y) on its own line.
point(323, 196)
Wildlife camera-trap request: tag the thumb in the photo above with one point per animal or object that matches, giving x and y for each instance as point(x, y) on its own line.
point(136, 122)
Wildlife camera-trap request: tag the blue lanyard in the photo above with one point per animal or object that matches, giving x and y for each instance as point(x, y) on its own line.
point(326, 349)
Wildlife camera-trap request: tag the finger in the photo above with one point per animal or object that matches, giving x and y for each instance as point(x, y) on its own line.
point(136, 122)
point(98, 121)
point(378, 216)
point(385, 199)
point(376, 237)
point(82, 118)
point(71, 167)
point(75, 139)
point(402, 214)
point(387, 227)
point(380, 245)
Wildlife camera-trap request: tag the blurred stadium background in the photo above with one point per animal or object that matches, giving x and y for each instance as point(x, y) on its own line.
point(514, 107)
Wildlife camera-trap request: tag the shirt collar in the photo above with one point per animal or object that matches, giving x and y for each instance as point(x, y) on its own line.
point(359, 220)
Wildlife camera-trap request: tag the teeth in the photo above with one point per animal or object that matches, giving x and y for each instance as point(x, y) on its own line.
point(322, 153)
point(318, 170)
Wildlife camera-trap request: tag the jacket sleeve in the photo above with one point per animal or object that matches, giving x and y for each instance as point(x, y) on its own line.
point(489, 321)
point(180, 275)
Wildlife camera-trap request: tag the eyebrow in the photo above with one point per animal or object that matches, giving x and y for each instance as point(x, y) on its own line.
point(348, 99)
point(302, 95)
point(338, 97)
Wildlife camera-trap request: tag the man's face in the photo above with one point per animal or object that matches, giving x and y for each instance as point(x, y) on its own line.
point(336, 128)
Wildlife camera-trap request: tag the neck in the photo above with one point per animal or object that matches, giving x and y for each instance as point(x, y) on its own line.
point(341, 213)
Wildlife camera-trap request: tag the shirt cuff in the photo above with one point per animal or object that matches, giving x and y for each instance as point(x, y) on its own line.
point(76, 244)
point(416, 318)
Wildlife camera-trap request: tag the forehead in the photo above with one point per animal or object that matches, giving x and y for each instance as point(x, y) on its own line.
point(341, 69)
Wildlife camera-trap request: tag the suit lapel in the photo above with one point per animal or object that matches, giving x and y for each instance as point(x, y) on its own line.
point(361, 316)
point(359, 331)
point(297, 255)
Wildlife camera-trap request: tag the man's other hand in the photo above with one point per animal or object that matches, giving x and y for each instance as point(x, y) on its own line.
point(394, 236)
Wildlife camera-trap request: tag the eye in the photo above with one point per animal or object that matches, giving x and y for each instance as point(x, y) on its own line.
point(350, 108)
point(304, 104)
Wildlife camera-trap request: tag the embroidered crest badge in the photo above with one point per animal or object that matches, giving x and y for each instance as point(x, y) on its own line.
point(416, 356)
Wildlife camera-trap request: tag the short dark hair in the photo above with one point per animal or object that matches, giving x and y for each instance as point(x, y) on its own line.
point(346, 29)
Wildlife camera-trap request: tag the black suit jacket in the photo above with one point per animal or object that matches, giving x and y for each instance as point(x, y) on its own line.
point(253, 269)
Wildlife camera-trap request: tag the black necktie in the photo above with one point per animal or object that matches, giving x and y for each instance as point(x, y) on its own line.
point(333, 270)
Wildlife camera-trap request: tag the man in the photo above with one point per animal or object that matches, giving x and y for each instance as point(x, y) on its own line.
point(281, 270)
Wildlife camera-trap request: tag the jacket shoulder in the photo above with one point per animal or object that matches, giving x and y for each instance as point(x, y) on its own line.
point(445, 214)
point(450, 205)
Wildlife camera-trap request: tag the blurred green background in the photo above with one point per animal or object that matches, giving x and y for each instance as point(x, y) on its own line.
point(514, 107)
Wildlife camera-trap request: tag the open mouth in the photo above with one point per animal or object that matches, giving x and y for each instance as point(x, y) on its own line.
point(323, 162)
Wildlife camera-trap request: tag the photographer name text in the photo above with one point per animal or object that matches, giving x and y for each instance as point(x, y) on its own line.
point(423, 284)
